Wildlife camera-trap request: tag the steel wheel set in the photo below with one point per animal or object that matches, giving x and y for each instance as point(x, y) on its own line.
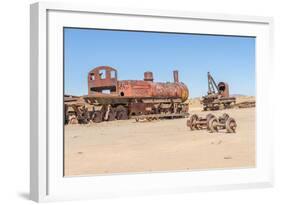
point(212, 123)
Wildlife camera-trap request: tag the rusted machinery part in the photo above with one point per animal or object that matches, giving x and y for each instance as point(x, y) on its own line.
point(213, 124)
point(146, 119)
point(140, 88)
point(160, 116)
point(217, 102)
point(106, 112)
point(66, 119)
point(83, 120)
point(223, 119)
point(111, 115)
point(192, 122)
point(230, 125)
point(72, 119)
point(227, 105)
point(140, 119)
point(215, 107)
point(97, 117)
point(208, 117)
point(121, 113)
point(223, 89)
point(151, 118)
point(84, 116)
point(225, 116)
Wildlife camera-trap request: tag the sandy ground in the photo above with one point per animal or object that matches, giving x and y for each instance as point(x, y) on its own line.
point(164, 145)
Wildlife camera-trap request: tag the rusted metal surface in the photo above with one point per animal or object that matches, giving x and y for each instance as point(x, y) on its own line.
point(101, 82)
point(148, 76)
point(176, 76)
point(212, 123)
point(138, 88)
point(223, 89)
point(77, 113)
point(217, 96)
point(196, 122)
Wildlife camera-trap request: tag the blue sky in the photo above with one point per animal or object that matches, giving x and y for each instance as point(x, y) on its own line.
point(228, 58)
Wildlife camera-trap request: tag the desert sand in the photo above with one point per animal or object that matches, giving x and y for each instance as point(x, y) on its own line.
point(162, 145)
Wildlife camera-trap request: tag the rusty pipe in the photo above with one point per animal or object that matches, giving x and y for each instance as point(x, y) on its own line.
point(176, 76)
point(148, 76)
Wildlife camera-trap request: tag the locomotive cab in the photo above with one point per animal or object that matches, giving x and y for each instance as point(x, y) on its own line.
point(102, 79)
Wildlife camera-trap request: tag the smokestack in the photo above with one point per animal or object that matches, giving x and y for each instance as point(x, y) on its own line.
point(148, 76)
point(176, 76)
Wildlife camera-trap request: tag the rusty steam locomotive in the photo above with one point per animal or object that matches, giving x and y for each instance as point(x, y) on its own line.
point(112, 99)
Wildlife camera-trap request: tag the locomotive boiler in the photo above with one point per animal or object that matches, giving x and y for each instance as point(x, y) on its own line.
point(109, 98)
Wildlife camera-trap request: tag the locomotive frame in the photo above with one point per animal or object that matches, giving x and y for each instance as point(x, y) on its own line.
point(46, 137)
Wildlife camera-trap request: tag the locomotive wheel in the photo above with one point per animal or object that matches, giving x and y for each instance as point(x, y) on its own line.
point(66, 119)
point(208, 117)
point(212, 124)
point(72, 119)
point(121, 113)
point(97, 117)
point(223, 118)
point(111, 115)
point(84, 118)
point(192, 122)
point(230, 125)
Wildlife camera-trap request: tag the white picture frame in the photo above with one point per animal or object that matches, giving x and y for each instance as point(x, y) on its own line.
point(46, 179)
